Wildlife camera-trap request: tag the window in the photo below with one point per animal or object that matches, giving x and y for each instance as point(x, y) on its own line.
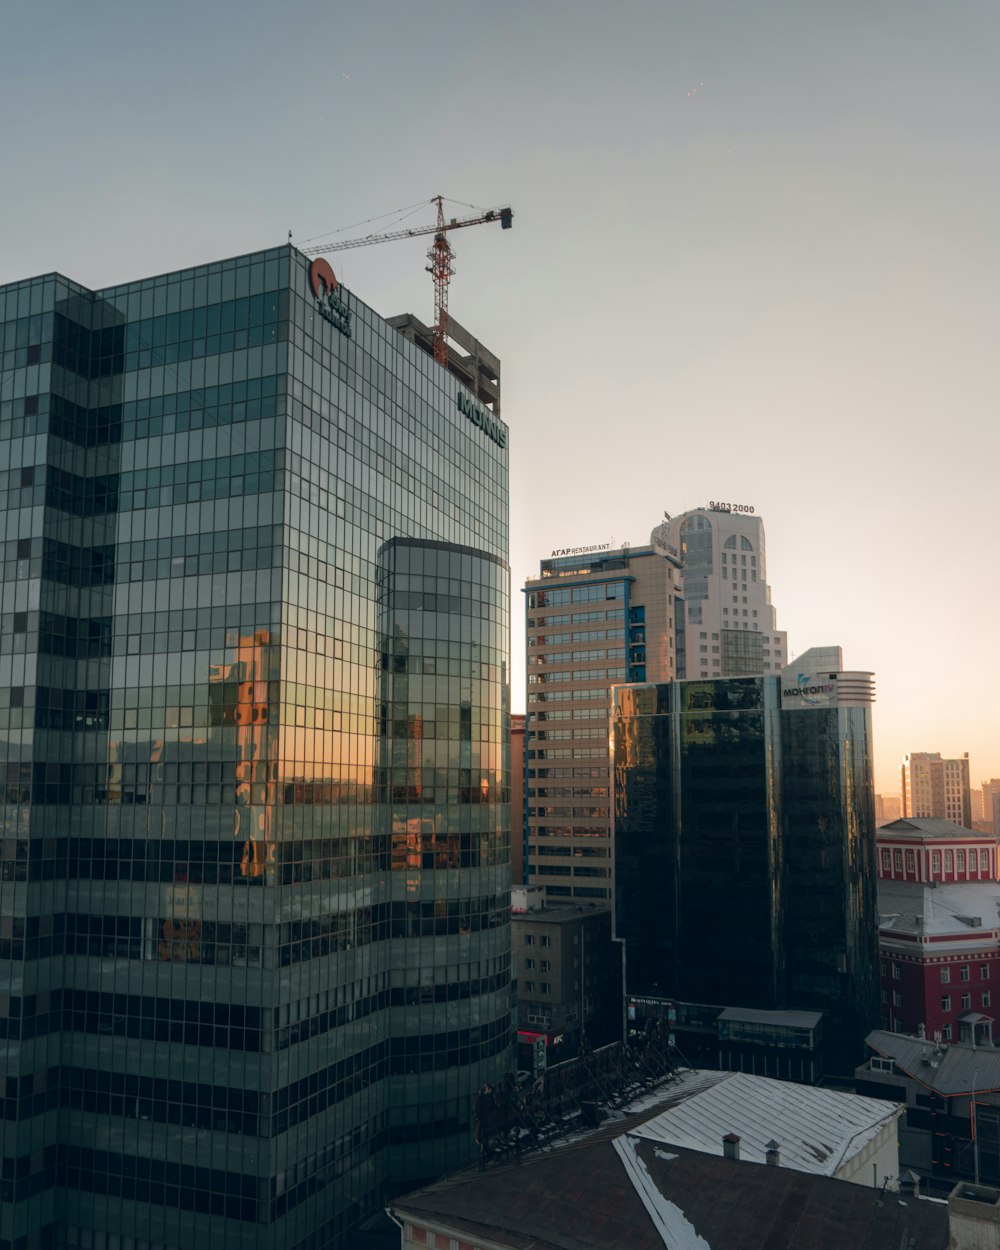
point(945, 975)
point(886, 860)
point(946, 1033)
point(964, 972)
point(883, 967)
point(897, 998)
point(984, 860)
point(961, 860)
point(885, 996)
point(984, 972)
point(896, 973)
point(949, 861)
point(546, 965)
point(546, 940)
point(545, 987)
point(529, 964)
point(946, 1002)
point(936, 863)
point(529, 986)
point(911, 862)
point(897, 859)
point(529, 939)
point(966, 1001)
point(985, 998)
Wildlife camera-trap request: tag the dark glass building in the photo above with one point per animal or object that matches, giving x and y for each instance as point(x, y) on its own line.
point(744, 849)
point(254, 639)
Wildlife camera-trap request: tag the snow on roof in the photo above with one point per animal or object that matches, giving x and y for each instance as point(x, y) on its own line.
point(954, 1069)
point(915, 907)
point(671, 1223)
point(818, 1130)
point(682, 1084)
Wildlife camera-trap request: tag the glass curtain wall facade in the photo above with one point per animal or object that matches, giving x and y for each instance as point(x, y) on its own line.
point(440, 774)
point(744, 852)
point(205, 925)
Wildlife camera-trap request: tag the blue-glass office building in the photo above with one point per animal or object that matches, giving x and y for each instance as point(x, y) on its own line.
point(254, 640)
point(744, 849)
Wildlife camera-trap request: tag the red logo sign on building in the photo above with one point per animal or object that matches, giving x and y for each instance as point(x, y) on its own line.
point(326, 289)
point(322, 279)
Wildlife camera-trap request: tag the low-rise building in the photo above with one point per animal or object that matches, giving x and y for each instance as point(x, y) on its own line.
point(822, 1131)
point(932, 849)
point(568, 976)
point(951, 1129)
point(626, 1191)
point(939, 959)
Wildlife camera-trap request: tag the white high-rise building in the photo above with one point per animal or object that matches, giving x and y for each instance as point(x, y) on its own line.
point(726, 624)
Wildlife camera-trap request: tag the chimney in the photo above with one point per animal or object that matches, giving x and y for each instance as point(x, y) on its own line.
point(973, 1215)
point(731, 1146)
point(773, 1156)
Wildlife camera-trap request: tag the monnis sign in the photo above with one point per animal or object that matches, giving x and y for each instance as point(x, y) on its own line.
point(485, 420)
point(325, 288)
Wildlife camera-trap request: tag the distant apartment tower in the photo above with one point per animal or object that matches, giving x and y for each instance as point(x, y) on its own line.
point(595, 618)
point(887, 808)
point(936, 787)
point(991, 803)
point(726, 627)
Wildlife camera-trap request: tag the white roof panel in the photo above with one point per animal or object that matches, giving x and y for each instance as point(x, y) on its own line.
point(818, 1130)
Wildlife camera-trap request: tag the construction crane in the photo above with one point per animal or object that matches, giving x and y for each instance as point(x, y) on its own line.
point(439, 255)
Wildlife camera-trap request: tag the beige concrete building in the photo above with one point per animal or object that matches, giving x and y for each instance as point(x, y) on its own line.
point(936, 787)
point(595, 618)
point(991, 804)
point(887, 808)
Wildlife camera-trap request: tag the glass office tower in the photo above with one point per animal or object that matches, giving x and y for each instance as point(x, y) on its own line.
point(254, 639)
point(744, 847)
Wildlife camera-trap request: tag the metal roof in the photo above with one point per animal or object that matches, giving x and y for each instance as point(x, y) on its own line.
point(793, 1019)
point(930, 827)
point(916, 907)
point(950, 1070)
point(818, 1130)
point(633, 1194)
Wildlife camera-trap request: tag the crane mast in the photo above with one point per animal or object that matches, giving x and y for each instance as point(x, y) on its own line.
point(440, 256)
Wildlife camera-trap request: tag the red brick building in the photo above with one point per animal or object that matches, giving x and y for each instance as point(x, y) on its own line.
point(939, 953)
point(926, 849)
point(939, 929)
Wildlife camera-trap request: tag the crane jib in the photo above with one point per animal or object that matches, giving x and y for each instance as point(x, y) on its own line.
point(485, 420)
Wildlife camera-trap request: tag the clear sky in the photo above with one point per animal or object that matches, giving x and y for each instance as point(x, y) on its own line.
point(755, 258)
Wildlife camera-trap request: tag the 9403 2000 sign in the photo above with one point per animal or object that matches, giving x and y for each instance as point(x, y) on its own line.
point(716, 505)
